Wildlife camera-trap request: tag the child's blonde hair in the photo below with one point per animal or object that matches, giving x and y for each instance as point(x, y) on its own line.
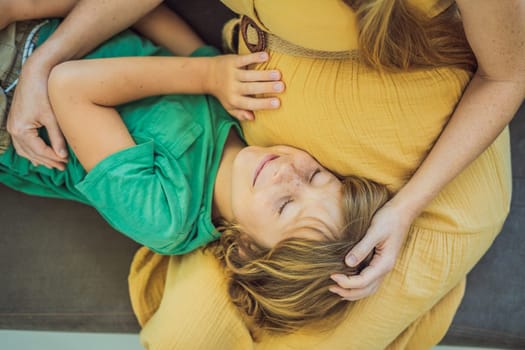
point(284, 288)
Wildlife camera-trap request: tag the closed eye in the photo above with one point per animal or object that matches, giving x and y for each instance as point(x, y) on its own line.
point(316, 171)
point(285, 203)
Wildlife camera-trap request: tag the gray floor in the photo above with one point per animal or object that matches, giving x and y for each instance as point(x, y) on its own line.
point(29, 340)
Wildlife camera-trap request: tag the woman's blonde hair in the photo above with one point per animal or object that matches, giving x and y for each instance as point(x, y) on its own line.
point(284, 288)
point(396, 36)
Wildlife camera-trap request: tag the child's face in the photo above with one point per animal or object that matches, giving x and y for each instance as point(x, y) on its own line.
point(282, 192)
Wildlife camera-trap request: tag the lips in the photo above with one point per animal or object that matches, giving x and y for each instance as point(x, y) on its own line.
point(267, 159)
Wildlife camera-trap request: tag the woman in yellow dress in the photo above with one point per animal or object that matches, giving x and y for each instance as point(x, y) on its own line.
point(428, 123)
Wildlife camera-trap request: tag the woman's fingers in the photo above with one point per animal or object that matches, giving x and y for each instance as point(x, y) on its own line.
point(361, 250)
point(39, 153)
point(368, 276)
point(58, 143)
point(29, 111)
point(353, 282)
point(355, 294)
point(384, 237)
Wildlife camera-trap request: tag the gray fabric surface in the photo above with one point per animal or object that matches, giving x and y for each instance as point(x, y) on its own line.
point(61, 267)
point(493, 310)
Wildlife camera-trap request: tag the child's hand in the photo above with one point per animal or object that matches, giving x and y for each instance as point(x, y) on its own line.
point(239, 89)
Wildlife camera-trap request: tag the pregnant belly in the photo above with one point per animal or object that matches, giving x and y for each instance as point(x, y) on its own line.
point(357, 121)
point(381, 126)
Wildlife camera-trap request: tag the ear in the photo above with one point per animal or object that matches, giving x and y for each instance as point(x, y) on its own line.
point(242, 253)
point(245, 245)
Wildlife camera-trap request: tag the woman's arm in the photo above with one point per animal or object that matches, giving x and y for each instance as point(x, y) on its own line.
point(83, 93)
point(496, 33)
point(89, 23)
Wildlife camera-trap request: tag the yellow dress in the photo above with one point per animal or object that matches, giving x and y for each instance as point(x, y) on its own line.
point(355, 121)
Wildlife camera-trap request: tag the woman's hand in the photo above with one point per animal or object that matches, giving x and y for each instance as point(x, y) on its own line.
point(386, 235)
point(495, 31)
point(239, 88)
point(30, 110)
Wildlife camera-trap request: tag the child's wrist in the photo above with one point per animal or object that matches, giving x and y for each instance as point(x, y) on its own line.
point(210, 81)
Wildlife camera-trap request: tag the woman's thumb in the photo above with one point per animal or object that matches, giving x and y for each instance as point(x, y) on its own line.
point(361, 250)
point(56, 138)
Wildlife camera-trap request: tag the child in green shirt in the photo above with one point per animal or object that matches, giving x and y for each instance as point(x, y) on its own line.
point(165, 164)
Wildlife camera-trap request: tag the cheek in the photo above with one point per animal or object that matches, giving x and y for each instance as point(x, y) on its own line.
point(242, 202)
point(241, 194)
point(248, 212)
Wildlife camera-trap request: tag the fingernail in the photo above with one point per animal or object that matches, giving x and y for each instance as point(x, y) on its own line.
point(274, 75)
point(62, 153)
point(275, 102)
point(278, 86)
point(351, 260)
point(263, 55)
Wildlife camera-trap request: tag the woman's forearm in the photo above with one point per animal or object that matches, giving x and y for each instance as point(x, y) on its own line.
point(496, 32)
point(483, 112)
point(88, 24)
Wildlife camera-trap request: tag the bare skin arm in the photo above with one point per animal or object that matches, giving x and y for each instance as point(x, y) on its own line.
point(83, 93)
point(166, 28)
point(496, 33)
point(161, 25)
point(30, 108)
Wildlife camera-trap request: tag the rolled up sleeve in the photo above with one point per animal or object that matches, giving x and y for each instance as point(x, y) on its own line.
point(135, 191)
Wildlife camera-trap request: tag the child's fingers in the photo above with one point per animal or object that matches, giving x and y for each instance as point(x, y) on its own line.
point(240, 114)
point(261, 88)
point(258, 75)
point(256, 104)
point(257, 57)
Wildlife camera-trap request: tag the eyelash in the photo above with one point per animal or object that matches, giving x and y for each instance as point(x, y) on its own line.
point(316, 171)
point(289, 200)
point(281, 208)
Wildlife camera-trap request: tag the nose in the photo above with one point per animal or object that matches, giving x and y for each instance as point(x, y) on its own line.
point(288, 173)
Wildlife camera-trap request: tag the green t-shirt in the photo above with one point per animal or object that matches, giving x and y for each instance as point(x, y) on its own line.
point(159, 192)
